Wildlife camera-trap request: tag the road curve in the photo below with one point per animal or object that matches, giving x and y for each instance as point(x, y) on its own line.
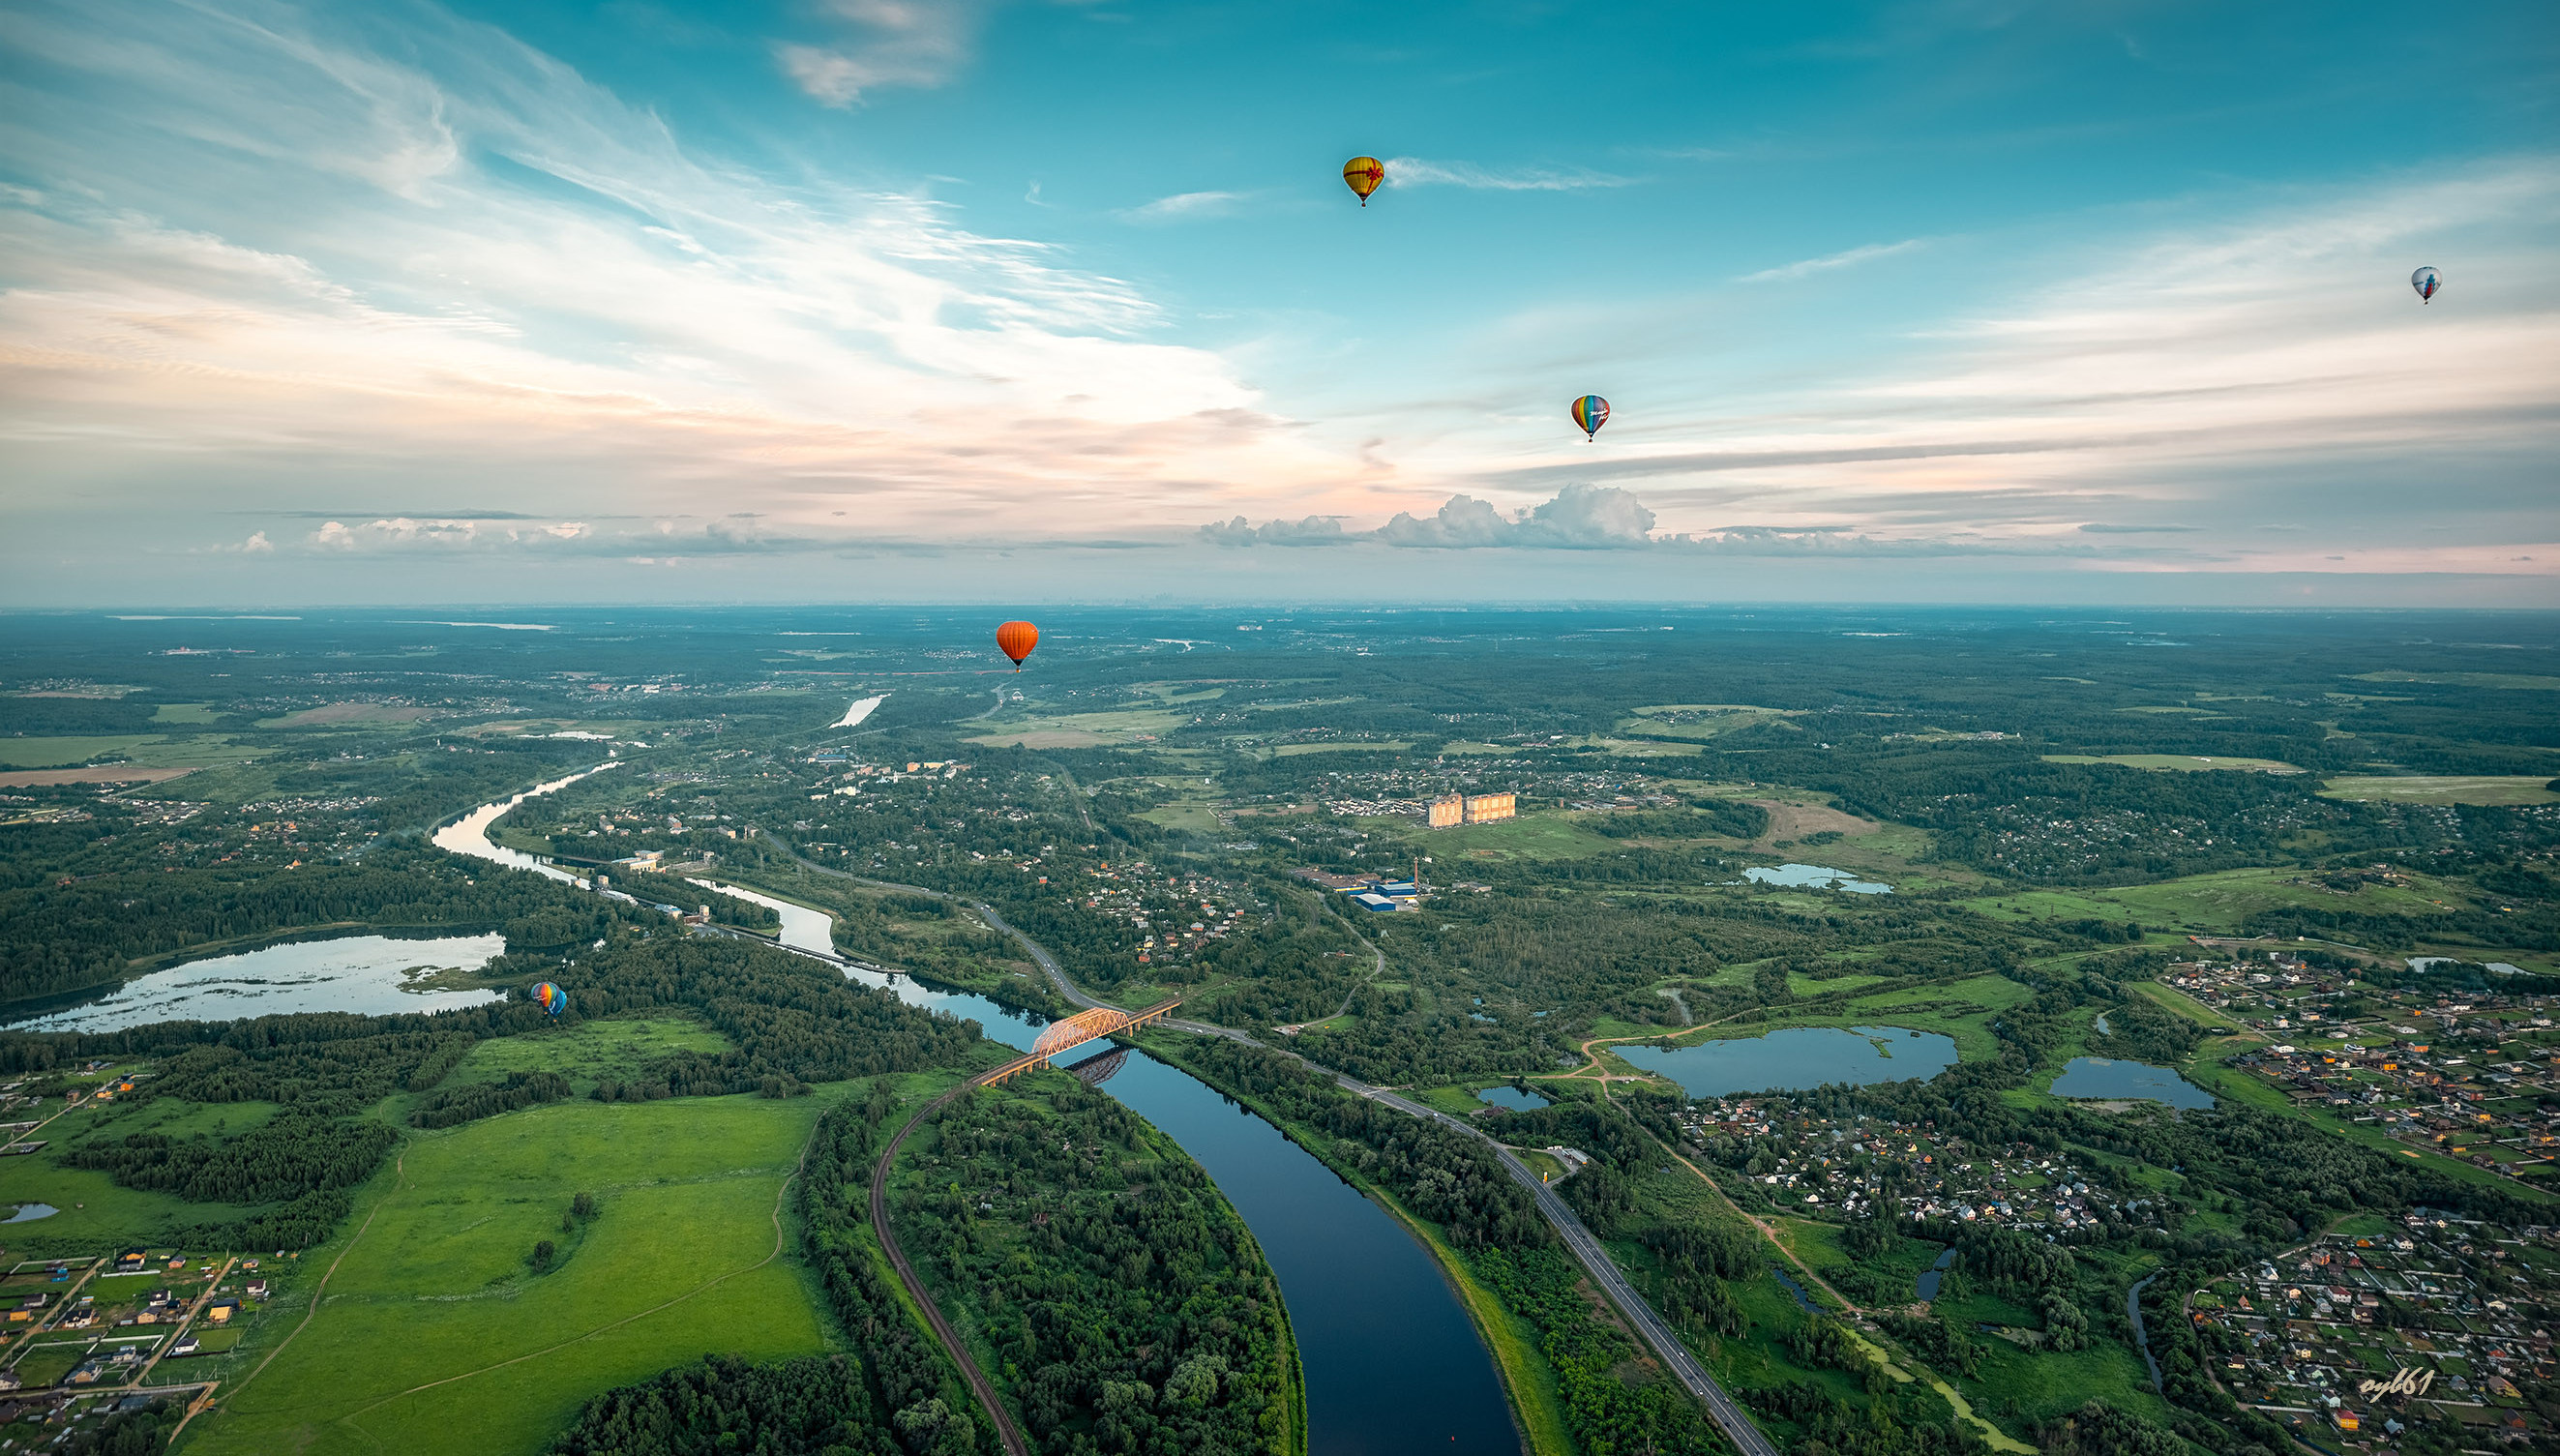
point(979, 1384)
point(1728, 1416)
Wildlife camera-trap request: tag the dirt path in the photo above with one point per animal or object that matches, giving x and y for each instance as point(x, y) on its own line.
point(399, 1166)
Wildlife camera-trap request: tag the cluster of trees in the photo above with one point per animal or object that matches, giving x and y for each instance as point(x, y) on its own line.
point(1910, 1421)
point(2145, 1031)
point(2098, 1429)
point(472, 1101)
point(1544, 1287)
point(1704, 818)
point(1443, 1175)
point(292, 1154)
point(905, 1385)
point(1692, 1262)
point(1942, 1345)
point(1127, 1300)
point(726, 1406)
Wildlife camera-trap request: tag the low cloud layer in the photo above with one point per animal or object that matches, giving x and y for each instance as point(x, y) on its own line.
point(1581, 518)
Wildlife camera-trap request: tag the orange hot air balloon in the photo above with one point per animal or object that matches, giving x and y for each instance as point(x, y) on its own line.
point(1016, 639)
point(1363, 173)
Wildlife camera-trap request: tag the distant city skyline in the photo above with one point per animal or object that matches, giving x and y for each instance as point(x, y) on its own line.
point(952, 300)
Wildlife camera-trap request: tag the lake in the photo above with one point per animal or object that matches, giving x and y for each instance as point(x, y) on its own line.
point(2107, 1077)
point(1797, 1058)
point(363, 974)
point(1392, 1362)
point(1817, 876)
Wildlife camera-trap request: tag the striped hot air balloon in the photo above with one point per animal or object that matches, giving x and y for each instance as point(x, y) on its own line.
point(1363, 173)
point(550, 998)
point(1016, 639)
point(1591, 411)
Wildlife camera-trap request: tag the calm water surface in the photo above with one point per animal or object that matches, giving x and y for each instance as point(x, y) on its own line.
point(363, 974)
point(1817, 877)
point(1394, 1365)
point(2101, 1077)
point(1800, 1058)
point(1513, 1098)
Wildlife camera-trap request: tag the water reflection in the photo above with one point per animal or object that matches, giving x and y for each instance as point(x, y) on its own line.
point(363, 974)
point(2107, 1077)
point(469, 835)
point(1392, 1362)
point(1797, 1058)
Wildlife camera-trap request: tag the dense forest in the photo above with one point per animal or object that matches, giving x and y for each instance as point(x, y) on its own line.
point(1127, 1299)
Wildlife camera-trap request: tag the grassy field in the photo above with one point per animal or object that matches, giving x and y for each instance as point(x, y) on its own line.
point(2215, 903)
point(64, 752)
point(1369, 745)
point(1083, 729)
point(587, 1050)
point(96, 1215)
point(1697, 721)
point(154, 750)
point(434, 1336)
point(1539, 836)
point(2517, 681)
point(348, 714)
point(2473, 790)
point(2174, 761)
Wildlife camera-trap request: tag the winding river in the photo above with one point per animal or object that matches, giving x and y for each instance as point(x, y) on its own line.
point(1392, 1362)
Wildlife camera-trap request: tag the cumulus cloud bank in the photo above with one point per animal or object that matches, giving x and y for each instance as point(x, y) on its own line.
point(1581, 518)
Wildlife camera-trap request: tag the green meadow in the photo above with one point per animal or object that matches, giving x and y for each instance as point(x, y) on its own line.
point(436, 1336)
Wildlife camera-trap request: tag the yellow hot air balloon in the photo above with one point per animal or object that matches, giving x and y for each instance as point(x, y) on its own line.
point(1363, 173)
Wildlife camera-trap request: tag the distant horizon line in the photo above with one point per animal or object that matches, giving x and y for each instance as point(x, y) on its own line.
point(294, 612)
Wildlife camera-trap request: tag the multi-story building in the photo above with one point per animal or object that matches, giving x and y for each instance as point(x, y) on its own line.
point(1458, 809)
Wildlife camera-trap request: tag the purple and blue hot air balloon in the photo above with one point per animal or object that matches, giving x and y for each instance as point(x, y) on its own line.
point(551, 998)
point(1591, 411)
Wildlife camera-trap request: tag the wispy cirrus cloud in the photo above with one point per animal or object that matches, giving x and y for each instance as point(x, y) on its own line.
point(1184, 206)
point(495, 270)
point(1418, 172)
point(886, 42)
point(1847, 259)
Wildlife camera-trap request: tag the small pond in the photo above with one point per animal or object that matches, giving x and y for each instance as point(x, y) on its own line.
point(1817, 876)
point(1797, 1058)
point(2101, 1077)
point(1930, 1276)
point(1513, 1098)
point(370, 975)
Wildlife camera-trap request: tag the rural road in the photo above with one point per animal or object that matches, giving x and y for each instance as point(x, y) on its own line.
point(1730, 1416)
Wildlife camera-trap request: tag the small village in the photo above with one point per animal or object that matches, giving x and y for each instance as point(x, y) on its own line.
point(1170, 915)
point(1841, 1167)
point(2359, 1337)
point(2469, 1073)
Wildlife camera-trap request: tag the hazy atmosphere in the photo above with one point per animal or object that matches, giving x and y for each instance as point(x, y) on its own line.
point(868, 301)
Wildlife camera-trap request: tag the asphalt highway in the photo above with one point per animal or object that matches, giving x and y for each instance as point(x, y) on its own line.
point(1727, 1414)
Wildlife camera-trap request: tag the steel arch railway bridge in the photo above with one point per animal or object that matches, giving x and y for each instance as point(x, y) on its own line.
point(1075, 1030)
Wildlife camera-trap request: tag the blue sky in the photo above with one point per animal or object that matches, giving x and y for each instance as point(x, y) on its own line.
point(971, 301)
